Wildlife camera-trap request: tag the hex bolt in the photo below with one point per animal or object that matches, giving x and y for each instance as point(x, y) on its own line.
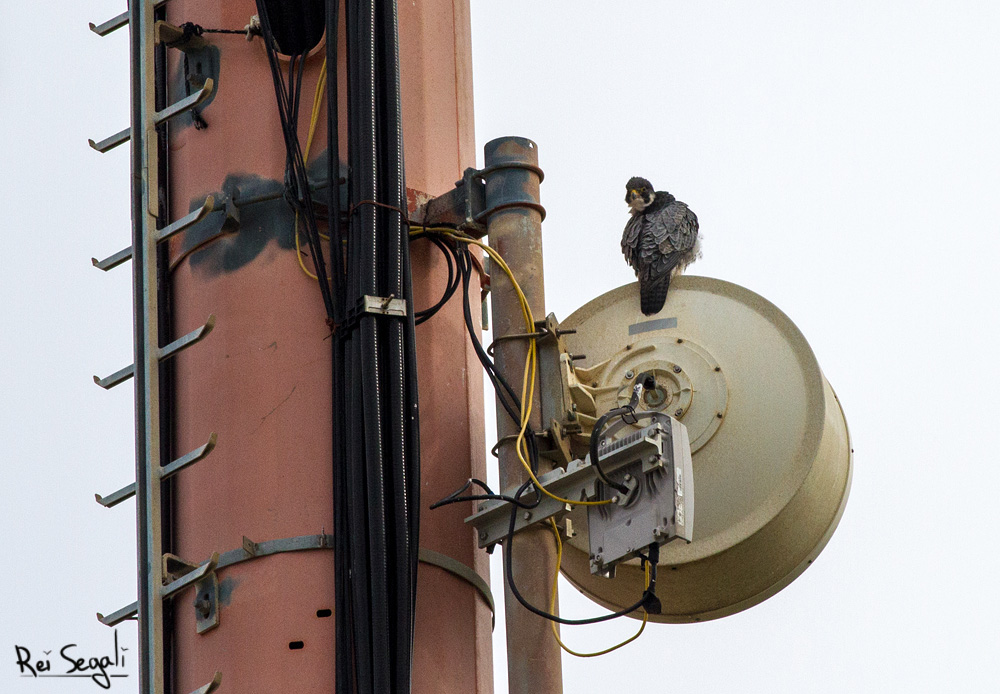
point(628, 478)
point(678, 412)
point(526, 515)
point(204, 606)
point(677, 369)
point(630, 373)
point(598, 558)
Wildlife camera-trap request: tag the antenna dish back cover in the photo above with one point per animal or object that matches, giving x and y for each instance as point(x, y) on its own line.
point(771, 451)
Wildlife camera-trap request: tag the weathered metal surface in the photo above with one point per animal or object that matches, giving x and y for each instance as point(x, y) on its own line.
point(534, 663)
point(462, 206)
point(263, 380)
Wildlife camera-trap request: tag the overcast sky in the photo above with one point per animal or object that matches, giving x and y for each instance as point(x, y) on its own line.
point(844, 163)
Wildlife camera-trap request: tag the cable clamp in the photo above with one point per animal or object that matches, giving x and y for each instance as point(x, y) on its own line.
point(386, 306)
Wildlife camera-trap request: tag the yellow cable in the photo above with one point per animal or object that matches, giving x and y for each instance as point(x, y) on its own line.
point(530, 362)
point(552, 605)
point(313, 120)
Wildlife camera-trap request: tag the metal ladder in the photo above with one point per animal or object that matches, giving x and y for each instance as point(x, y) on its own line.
point(160, 576)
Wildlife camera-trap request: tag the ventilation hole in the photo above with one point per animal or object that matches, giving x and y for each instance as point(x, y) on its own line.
point(324, 613)
point(296, 645)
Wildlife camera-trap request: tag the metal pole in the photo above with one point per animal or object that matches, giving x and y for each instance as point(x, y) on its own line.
point(145, 205)
point(515, 231)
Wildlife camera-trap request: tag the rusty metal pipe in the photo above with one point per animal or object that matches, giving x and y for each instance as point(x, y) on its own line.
point(515, 231)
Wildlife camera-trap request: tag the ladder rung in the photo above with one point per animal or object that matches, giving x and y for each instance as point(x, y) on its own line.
point(117, 22)
point(186, 221)
point(113, 141)
point(170, 350)
point(110, 25)
point(120, 376)
point(193, 577)
point(185, 104)
point(113, 260)
point(191, 338)
point(116, 498)
point(127, 612)
point(166, 472)
point(211, 686)
point(166, 232)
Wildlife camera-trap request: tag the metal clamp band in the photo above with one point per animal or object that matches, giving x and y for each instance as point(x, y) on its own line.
point(457, 568)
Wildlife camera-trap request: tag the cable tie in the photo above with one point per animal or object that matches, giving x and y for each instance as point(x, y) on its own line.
point(355, 206)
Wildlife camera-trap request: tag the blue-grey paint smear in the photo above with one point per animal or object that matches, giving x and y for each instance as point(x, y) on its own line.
point(646, 326)
point(226, 588)
point(259, 224)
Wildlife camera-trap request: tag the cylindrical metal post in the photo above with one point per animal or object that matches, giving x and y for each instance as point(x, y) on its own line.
point(262, 381)
point(515, 231)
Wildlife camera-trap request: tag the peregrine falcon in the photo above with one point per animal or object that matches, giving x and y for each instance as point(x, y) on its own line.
point(660, 240)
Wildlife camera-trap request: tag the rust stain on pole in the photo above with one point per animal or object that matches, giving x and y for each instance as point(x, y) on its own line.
point(534, 663)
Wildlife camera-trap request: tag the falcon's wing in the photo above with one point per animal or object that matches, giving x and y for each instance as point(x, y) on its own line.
point(630, 240)
point(674, 228)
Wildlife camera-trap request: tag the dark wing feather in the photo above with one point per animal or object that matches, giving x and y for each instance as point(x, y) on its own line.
point(675, 228)
point(630, 240)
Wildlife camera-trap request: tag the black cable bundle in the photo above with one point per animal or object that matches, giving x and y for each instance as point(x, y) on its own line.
point(376, 446)
point(297, 191)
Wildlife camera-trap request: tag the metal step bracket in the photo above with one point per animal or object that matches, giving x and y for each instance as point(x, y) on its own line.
point(181, 343)
point(211, 686)
point(113, 141)
point(118, 22)
point(163, 234)
point(166, 472)
point(185, 104)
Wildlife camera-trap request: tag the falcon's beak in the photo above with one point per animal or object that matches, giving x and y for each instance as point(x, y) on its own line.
point(634, 193)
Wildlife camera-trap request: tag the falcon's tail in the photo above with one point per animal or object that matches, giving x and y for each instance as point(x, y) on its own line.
point(653, 294)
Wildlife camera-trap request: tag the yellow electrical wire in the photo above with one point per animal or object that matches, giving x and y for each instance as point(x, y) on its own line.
point(313, 120)
point(527, 397)
point(530, 362)
point(552, 605)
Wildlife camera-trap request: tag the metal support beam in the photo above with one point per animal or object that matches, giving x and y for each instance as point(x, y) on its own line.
point(514, 227)
point(145, 306)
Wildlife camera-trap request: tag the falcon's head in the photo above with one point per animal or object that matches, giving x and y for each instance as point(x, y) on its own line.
point(639, 194)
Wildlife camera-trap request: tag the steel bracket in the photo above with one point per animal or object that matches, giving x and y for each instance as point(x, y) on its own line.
point(577, 482)
point(175, 37)
point(386, 306)
point(461, 207)
point(206, 603)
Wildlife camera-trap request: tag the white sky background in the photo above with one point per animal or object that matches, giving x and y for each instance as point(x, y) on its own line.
point(843, 160)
